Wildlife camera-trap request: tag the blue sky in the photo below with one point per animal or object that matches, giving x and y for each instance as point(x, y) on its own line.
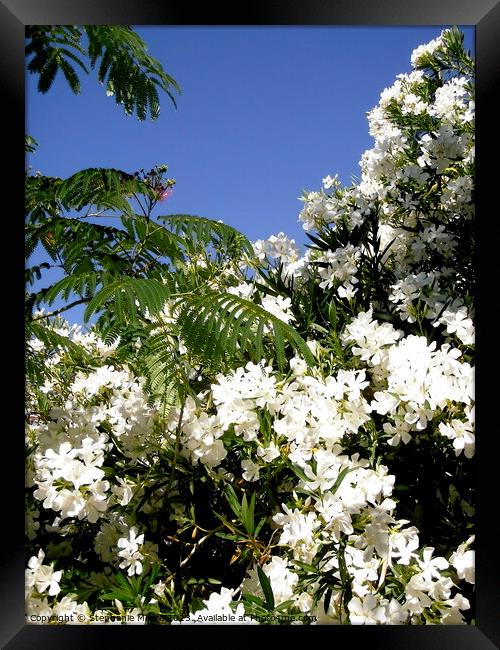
point(265, 112)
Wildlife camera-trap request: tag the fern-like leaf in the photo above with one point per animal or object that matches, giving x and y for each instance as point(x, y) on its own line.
point(127, 294)
point(159, 363)
point(217, 325)
point(102, 187)
point(79, 284)
point(209, 232)
point(47, 75)
point(71, 76)
point(124, 66)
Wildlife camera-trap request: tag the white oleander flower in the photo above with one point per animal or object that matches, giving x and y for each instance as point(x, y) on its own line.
point(463, 561)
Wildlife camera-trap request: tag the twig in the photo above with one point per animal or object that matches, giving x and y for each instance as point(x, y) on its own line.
point(59, 311)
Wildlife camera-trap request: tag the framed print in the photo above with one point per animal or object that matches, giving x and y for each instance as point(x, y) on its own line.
point(294, 421)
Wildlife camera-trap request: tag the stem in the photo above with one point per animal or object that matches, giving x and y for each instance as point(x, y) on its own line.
point(59, 311)
point(176, 448)
point(141, 244)
point(144, 211)
point(99, 215)
point(197, 546)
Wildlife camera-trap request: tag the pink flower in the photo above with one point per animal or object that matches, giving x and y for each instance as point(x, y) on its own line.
point(164, 193)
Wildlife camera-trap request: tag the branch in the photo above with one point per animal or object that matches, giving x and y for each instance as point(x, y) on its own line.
point(81, 301)
point(99, 215)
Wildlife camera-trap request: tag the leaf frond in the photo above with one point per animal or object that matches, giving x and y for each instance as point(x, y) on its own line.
point(217, 325)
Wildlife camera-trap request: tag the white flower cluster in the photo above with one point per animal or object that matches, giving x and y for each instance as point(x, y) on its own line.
point(201, 435)
point(285, 251)
point(99, 412)
point(69, 475)
point(130, 552)
point(70, 480)
point(277, 247)
point(414, 382)
point(321, 208)
point(236, 397)
point(418, 179)
point(217, 611)
point(309, 418)
point(45, 606)
point(339, 267)
point(278, 306)
point(41, 589)
point(441, 148)
point(283, 582)
point(426, 49)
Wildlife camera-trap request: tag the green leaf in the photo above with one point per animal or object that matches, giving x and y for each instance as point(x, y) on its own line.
point(30, 144)
point(201, 230)
point(227, 536)
point(78, 284)
point(71, 76)
point(228, 524)
point(332, 315)
point(265, 583)
point(309, 568)
point(328, 598)
point(284, 605)
point(299, 472)
point(131, 74)
point(247, 513)
point(233, 501)
point(125, 67)
point(254, 599)
point(228, 333)
point(340, 478)
point(47, 75)
point(116, 594)
point(102, 187)
point(150, 294)
point(251, 514)
point(259, 526)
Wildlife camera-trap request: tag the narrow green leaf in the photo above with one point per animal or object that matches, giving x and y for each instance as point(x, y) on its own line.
point(251, 514)
point(259, 526)
point(307, 567)
point(253, 599)
point(332, 315)
point(227, 536)
point(233, 501)
point(340, 478)
point(279, 344)
point(299, 472)
point(265, 583)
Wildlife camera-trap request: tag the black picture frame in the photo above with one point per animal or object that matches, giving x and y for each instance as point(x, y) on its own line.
point(485, 16)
